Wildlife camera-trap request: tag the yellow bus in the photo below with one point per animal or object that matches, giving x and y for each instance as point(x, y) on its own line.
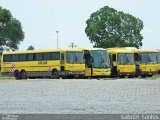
point(54, 63)
point(148, 62)
point(145, 61)
point(122, 62)
point(97, 62)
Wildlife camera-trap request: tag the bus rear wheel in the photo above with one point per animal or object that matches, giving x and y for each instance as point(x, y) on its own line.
point(121, 76)
point(130, 76)
point(55, 74)
point(23, 75)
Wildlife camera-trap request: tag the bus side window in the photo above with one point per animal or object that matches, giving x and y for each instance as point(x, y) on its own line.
point(7, 58)
point(47, 56)
point(62, 58)
point(23, 57)
point(15, 58)
point(114, 59)
point(55, 56)
point(30, 57)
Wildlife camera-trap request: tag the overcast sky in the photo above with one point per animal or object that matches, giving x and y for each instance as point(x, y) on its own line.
point(42, 18)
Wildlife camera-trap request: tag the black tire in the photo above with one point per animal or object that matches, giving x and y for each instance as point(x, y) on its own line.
point(55, 74)
point(121, 76)
point(136, 75)
point(130, 76)
point(32, 77)
point(23, 75)
point(17, 75)
point(150, 75)
point(143, 76)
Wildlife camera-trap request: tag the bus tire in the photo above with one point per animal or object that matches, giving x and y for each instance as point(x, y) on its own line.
point(150, 75)
point(121, 76)
point(143, 76)
point(23, 75)
point(130, 76)
point(17, 75)
point(55, 74)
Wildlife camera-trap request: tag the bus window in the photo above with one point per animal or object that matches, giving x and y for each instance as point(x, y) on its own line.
point(30, 57)
point(47, 56)
point(144, 58)
point(100, 59)
point(38, 56)
point(74, 57)
point(125, 59)
point(7, 58)
point(158, 57)
point(23, 57)
point(55, 56)
point(15, 58)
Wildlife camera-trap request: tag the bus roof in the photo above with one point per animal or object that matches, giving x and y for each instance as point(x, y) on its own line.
point(93, 49)
point(123, 48)
point(116, 50)
point(147, 51)
point(41, 51)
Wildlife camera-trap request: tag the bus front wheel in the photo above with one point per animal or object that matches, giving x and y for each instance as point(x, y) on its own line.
point(17, 75)
point(55, 74)
point(150, 75)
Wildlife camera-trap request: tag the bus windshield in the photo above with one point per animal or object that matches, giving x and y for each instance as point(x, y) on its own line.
point(125, 59)
point(100, 59)
point(158, 57)
point(74, 57)
point(148, 58)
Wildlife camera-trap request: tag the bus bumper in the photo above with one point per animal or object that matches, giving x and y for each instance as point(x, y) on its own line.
point(148, 73)
point(126, 74)
point(72, 73)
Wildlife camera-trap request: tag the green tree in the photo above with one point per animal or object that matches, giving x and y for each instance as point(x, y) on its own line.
point(108, 27)
point(11, 33)
point(30, 47)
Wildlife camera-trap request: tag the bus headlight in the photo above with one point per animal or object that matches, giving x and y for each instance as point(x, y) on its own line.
point(82, 72)
point(70, 72)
